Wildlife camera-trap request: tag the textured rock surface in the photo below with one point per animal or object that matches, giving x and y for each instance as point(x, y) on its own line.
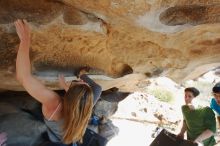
point(20, 119)
point(191, 14)
point(175, 38)
point(108, 104)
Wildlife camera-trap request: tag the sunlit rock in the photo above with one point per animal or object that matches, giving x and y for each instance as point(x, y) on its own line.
point(142, 38)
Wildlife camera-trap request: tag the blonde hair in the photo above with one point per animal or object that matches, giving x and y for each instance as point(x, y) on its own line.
point(77, 109)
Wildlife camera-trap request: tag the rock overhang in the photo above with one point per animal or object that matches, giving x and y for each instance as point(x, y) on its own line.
point(113, 39)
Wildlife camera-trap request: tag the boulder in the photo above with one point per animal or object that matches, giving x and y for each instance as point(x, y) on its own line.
point(176, 38)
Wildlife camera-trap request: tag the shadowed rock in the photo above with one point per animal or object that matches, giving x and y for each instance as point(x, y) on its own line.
point(8, 42)
point(191, 14)
point(113, 95)
point(22, 129)
point(21, 119)
point(40, 12)
point(104, 109)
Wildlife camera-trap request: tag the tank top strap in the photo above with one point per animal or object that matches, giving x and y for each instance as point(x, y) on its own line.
point(54, 112)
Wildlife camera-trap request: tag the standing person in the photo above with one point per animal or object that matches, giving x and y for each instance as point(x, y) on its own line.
point(200, 124)
point(66, 117)
point(215, 102)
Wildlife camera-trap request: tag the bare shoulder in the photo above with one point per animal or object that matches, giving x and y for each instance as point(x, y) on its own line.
point(53, 109)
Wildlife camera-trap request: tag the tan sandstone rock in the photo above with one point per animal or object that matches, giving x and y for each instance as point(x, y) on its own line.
point(142, 38)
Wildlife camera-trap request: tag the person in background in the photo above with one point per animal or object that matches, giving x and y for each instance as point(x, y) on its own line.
point(200, 124)
point(215, 102)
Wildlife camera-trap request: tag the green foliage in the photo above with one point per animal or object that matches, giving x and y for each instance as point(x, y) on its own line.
point(162, 95)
